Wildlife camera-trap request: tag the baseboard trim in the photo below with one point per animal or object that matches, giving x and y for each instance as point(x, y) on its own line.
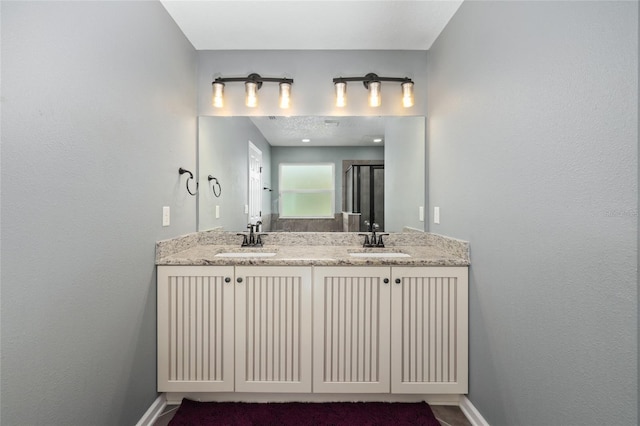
point(174, 398)
point(153, 412)
point(472, 413)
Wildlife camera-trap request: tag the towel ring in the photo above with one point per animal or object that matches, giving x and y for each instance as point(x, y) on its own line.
point(213, 186)
point(183, 171)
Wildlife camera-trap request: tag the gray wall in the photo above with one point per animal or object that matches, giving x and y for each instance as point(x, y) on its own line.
point(98, 113)
point(223, 146)
point(533, 159)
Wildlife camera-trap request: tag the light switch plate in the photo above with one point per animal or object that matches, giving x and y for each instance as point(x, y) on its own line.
point(166, 216)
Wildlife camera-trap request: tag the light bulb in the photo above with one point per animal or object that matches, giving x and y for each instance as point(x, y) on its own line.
point(341, 94)
point(285, 95)
point(374, 94)
point(251, 90)
point(407, 94)
point(218, 95)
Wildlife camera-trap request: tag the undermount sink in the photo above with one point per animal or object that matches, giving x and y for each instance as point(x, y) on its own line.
point(246, 254)
point(379, 254)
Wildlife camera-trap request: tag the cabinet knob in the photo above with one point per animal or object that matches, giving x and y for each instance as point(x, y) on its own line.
point(227, 279)
point(398, 281)
point(386, 281)
point(239, 279)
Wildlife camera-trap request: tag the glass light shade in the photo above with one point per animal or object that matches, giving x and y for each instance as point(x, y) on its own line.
point(341, 94)
point(407, 94)
point(374, 94)
point(218, 95)
point(285, 95)
point(251, 90)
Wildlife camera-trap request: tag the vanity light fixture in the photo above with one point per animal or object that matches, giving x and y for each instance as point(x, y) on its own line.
point(372, 82)
point(252, 83)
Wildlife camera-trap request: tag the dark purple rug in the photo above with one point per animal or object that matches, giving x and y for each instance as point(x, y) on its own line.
point(194, 413)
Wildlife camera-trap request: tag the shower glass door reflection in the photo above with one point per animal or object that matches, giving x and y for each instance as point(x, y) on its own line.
point(365, 194)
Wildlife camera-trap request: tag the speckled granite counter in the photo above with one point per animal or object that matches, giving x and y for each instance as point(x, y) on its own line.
point(312, 248)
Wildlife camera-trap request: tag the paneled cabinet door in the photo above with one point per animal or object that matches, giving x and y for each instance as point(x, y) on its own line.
point(273, 329)
point(429, 343)
point(351, 329)
point(195, 329)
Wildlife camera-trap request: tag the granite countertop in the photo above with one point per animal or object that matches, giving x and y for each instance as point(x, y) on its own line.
point(312, 249)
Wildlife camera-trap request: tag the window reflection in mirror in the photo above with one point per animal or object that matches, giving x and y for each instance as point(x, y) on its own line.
point(307, 190)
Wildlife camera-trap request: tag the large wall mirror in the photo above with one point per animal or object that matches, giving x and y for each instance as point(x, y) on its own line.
point(311, 173)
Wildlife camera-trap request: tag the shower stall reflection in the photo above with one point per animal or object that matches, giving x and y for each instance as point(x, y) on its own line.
point(365, 193)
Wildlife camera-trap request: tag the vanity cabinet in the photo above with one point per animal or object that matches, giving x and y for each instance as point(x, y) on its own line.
point(273, 329)
point(351, 329)
point(321, 329)
point(390, 329)
point(429, 323)
point(214, 321)
point(195, 328)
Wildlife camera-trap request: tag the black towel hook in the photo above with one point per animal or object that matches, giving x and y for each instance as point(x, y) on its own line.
point(213, 186)
point(183, 171)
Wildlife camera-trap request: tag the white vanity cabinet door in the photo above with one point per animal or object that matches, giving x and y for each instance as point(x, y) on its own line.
point(273, 329)
point(195, 328)
point(351, 329)
point(429, 323)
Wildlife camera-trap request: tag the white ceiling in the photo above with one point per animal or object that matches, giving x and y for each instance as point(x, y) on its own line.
point(312, 25)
